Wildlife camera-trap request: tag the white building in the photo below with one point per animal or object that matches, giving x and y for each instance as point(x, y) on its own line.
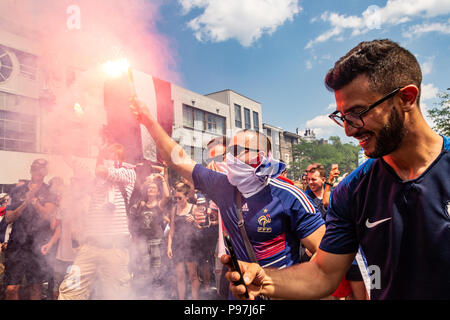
point(30, 99)
point(274, 134)
point(198, 118)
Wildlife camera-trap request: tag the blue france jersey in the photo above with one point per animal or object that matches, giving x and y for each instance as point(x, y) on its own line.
point(276, 218)
point(403, 227)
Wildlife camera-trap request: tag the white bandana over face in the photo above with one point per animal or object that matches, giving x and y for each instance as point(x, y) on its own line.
point(249, 180)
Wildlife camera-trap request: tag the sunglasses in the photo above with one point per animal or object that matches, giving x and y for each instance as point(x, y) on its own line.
point(237, 150)
point(178, 198)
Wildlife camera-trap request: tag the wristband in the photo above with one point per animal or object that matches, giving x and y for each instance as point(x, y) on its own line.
point(330, 184)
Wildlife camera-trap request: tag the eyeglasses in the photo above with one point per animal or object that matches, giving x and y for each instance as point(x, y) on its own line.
point(218, 158)
point(355, 118)
point(237, 150)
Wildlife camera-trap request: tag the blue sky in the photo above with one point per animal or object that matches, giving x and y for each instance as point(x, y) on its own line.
point(277, 52)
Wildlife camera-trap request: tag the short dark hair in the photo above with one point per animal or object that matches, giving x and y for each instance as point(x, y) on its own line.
point(183, 188)
point(387, 65)
point(317, 167)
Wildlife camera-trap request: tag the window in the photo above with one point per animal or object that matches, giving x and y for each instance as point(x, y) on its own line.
point(195, 153)
point(6, 65)
point(203, 121)
point(276, 137)
point(247, 123)
point(211, 123)
point(199, 120)
point(28, 64)
point(237, 116)
point(221, 127)
point(17, 131)
point(188, 116)
point(255, 121)
point(276, 144)
point(8, 99)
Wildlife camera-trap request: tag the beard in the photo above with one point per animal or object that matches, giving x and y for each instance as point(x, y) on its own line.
point(390, 136)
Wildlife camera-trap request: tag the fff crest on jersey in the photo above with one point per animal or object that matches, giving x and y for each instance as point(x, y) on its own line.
point(263, 221)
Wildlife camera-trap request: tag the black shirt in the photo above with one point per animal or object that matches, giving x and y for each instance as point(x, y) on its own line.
point(30, 229)
point(147, 221)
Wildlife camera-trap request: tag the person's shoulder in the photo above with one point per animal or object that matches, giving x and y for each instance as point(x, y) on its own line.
point(446, 143)
point(203, 172)
point(351, 182)
point(289, 194)
point(203, 169)
point(309, 193)
point(45, 186)
point(20, 186)
point(281, 186)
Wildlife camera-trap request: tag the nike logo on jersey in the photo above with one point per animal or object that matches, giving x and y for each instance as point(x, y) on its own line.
point(371, 225)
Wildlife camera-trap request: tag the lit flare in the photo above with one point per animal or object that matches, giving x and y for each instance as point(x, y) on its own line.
point(115, 68)
point(78, 109)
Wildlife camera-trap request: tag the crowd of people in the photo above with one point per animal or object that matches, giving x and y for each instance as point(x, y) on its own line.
point(69, 241)
point(134, 232)
point(174, 240)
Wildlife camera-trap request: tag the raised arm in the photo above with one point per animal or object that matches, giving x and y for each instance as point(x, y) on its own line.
point(334, 173)
point(169, 150)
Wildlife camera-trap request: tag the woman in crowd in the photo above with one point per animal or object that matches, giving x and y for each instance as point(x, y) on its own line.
point(148, 217)
point(181, 243)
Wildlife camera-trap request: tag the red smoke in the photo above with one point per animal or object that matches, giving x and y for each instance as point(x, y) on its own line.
point(108, 29)
point(81, 35)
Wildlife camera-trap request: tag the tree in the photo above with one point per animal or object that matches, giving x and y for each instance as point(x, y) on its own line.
point(304, 153)
point(441, 114)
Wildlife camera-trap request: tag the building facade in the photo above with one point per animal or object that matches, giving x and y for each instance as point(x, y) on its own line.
point(275, 135)
point(42, 113)
point(288, 141)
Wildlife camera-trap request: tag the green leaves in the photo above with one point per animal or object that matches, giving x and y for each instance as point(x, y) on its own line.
point(441, 114)
point(304, 153)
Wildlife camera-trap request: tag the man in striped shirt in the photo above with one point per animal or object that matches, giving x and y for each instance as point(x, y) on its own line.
point(104, 252)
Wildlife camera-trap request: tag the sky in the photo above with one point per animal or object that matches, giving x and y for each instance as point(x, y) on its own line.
point(278, 52)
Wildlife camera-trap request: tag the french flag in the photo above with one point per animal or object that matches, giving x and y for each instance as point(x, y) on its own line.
point(122, 127)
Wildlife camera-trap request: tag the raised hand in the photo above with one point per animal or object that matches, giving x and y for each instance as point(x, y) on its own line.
point(139, 110)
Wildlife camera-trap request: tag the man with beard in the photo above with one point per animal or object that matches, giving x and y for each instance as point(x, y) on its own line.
point(395, 206)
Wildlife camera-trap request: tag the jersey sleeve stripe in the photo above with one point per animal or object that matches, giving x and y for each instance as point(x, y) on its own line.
point(309, 207)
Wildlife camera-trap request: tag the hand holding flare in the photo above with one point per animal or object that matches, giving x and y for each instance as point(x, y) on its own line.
point(140, 111)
